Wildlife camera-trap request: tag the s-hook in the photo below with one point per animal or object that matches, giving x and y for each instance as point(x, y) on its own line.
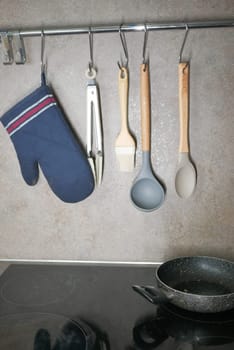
point(43, 65)
point(91, 65)
point(125, 49)
point(183, 44)
point(144, 59)
point(42, 51)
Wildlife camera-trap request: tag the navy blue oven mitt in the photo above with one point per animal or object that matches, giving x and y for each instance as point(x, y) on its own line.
point(41, 135)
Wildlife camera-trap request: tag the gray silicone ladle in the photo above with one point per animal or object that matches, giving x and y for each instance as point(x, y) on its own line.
point(147, 194)
point(185, 180)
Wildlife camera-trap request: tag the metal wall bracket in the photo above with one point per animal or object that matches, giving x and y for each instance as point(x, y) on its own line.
point(6, 45)
point(19, 49)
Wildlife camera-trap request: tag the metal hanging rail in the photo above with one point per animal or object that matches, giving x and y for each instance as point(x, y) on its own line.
point(124, 27)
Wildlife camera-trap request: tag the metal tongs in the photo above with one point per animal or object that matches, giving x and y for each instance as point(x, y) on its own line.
point(95, 157)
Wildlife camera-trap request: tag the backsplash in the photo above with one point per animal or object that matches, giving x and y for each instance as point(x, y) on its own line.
point(35, 224)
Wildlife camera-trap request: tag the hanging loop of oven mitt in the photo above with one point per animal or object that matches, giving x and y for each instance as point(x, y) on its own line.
point(41, 136)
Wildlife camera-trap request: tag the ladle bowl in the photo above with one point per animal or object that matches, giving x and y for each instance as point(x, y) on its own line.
point(147, 194)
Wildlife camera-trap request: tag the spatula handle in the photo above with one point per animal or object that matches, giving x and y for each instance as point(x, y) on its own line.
point(184, 106)
point(145, 107)
point(123, 96)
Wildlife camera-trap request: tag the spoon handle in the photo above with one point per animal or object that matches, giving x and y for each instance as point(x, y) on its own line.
point(184, 106)
point(145, 107)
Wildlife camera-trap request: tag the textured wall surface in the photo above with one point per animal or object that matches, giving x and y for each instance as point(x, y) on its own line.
point(34, 224)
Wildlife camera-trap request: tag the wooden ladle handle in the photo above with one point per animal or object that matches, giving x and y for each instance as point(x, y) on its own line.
point(184, 105)
point(145, 107)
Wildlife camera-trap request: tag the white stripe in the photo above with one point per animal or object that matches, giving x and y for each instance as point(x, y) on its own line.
point(26, 110)
point(34, 116)
point(85, 262)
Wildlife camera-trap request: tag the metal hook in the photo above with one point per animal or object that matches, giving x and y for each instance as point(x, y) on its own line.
point(182, 47)
point(125, 49)
point(90, 49)
point(42, 52)
point(144, 60)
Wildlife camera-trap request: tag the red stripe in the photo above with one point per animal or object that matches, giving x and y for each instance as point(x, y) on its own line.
point(30, 113)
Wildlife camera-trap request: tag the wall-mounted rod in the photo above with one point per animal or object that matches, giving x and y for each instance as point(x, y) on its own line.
point(124, 27)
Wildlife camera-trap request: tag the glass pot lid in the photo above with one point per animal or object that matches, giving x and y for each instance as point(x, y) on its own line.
point(32, 331)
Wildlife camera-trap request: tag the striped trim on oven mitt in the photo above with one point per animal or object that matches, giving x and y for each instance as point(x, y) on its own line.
point(41, 136)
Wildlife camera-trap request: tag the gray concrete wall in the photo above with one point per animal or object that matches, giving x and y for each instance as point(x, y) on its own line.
point(34, 224)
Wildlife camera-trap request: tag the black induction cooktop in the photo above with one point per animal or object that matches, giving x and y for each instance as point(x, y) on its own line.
point(59, 307)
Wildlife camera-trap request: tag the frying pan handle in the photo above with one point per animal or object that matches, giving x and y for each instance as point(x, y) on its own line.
point(150, 293)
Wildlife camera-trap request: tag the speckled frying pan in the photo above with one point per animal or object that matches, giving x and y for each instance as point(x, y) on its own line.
point(200, 284)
